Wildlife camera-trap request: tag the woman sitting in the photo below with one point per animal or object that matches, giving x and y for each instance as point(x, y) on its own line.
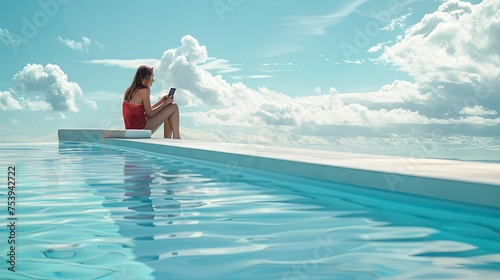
point(138, 112)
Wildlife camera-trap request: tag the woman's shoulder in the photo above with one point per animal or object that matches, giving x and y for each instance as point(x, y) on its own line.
point(143, 90)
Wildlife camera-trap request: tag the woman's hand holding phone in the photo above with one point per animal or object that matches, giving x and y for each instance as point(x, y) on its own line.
point(168, 100)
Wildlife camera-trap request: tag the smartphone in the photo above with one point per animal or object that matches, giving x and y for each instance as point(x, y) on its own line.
point(171, 92)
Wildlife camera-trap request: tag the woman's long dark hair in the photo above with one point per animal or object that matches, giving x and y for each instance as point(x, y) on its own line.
point(143, 73)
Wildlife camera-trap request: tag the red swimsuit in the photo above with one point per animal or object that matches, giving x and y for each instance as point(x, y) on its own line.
point(134, 115)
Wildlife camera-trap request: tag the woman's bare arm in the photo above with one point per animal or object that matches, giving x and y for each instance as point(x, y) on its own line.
point(146, 102)
point(159, 102)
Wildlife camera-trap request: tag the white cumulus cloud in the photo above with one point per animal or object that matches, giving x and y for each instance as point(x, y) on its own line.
point(477, 111)
point(39, 88)
point(7, 102)
point(399, 105)
point(8, 38)
point(453, 55)
point(184, 67)
point(397, 22)
point(458, 43)
point(376, 48)
point(82, 46)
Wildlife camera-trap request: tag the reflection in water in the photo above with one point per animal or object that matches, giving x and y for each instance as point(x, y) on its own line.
point(139, 175)
point(137, 185)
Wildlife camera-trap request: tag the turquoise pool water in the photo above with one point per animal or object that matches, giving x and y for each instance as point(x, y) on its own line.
point(87, 211)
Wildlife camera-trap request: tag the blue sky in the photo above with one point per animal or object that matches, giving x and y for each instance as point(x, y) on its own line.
point(390, 77)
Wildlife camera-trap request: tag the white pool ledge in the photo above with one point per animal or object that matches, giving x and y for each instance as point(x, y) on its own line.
point(459, 181)
point(98, 135)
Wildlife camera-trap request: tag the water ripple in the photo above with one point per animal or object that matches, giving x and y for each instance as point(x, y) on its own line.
point(96, 212)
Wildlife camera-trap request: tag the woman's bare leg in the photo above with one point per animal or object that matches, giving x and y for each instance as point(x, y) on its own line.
point(174, 124)
point(167, 129)
point(161, 117)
